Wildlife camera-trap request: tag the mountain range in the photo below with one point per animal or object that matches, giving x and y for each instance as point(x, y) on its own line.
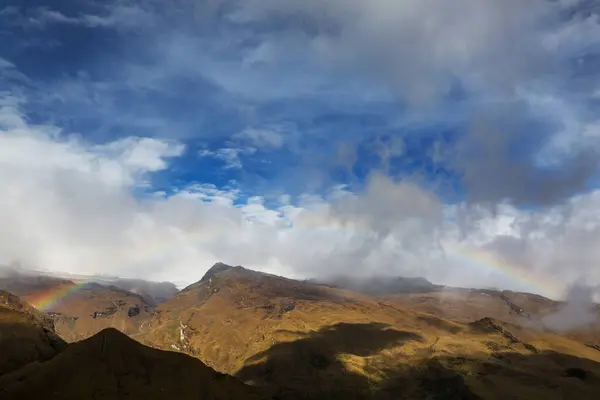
point(238, 333)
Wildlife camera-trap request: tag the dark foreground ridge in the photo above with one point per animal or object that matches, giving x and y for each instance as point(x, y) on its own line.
point(26, 335)
point(110, 365)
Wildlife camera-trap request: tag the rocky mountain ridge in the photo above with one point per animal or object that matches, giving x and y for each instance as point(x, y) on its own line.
point(290, 339)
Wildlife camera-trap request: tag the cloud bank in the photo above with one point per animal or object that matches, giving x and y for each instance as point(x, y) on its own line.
point(512, 81)
point(69, 206)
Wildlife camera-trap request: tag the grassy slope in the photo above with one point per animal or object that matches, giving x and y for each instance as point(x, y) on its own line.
point(325, 343)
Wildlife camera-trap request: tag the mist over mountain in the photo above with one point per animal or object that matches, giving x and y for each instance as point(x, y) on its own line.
point(237, 333)
point(18, 280)
point(379, 286)
point(307, 139)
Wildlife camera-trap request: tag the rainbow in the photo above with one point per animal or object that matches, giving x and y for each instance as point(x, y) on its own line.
point(474, 259)
point(468, 258)
point(50, 298)
point(523, 277)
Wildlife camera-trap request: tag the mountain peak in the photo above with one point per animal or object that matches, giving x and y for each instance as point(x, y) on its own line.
point(215, 269)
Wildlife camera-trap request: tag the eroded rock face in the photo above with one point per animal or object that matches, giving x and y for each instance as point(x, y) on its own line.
point(133, 311)
point(286, 305)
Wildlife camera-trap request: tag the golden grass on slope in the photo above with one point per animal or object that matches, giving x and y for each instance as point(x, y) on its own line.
point(323, 342)
point(465, 305)
point(35, 363)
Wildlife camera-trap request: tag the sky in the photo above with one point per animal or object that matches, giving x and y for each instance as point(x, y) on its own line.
point(457, 140)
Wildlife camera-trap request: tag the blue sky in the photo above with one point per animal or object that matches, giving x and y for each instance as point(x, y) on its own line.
point(482, 104)
point(194, 74)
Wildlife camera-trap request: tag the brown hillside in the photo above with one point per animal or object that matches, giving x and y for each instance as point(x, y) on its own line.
point(525, 309)
point(91, 308)
point(302, 340)
point(466, 305)
point(110, 365)
point(83, 310)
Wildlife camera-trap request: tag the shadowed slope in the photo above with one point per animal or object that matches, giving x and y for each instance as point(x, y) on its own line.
point(315, 358)
point(26, 335)
point(366, 361)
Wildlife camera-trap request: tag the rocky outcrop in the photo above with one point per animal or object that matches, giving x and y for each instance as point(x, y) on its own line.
point(488, 325)
point(110, 310)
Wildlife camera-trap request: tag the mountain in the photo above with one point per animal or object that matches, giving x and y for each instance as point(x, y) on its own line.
point(280, 338)
point(92, 307)
point(80, 309)
point(524, 309)
point(580, 322)
point(152, 292)
point(35, 363)
point(19, 280)
point(304, 340)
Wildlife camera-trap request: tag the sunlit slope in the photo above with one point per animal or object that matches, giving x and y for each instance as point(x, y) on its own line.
point(578, 322)
point(294, 337)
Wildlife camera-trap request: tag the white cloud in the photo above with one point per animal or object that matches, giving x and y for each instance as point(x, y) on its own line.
point(210, 193)
point(245, 143)
point(5, 64)
point(260, 138)
point(419, 49)
point(578, 312)
point(9, 72)
point(229, 155)
point(142, 154)
point(419, 46)
point(68, 206)
point(119, 16)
